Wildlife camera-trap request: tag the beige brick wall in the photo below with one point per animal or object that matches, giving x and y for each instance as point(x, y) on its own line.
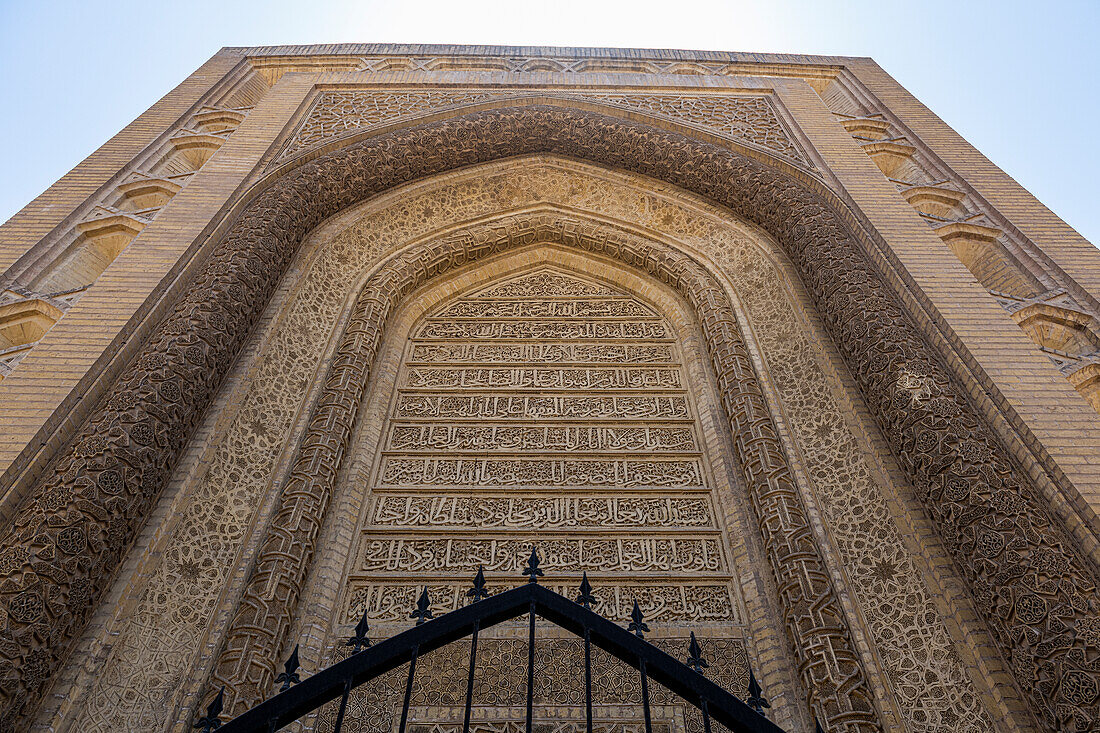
point(59, 201)
point(43, 398)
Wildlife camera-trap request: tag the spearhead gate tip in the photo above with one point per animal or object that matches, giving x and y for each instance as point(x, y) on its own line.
point(637, 624)
point(532, 570)
point(586, 598)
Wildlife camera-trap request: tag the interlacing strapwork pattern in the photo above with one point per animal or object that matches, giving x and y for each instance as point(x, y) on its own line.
point(439, 697)
point(745, 118)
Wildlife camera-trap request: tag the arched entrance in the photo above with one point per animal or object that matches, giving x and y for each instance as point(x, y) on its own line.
point(814, 620)
point(967, 481)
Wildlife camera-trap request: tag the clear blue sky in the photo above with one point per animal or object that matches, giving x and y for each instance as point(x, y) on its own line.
point(1017, 79)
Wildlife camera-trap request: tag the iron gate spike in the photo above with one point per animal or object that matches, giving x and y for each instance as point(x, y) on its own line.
point(360, 641)
point(289, 675)
point(479, 591)
point(695, 656)
point(756, 700)
point(299, 700)
point(586, 598)
point(637, 625)
point(212, 720)
point(423, 611)
point(532, 569)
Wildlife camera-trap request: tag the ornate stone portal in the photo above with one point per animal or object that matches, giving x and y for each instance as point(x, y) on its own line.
point(716, 367)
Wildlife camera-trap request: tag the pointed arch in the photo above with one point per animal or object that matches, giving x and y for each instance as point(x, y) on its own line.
point(821, 640)
point(1038, 596)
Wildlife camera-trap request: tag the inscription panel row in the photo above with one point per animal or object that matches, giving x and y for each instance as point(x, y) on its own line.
point(598, 378)
point(539, 353)
point(541, 512)
point(543, 330)
point(542, 438)
point(493, 406)
point(479, 471)
point(574, 308)
point(560, 554)
point(666, 602)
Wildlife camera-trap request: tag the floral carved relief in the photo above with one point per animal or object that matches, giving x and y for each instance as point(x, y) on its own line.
point(747, 119)
point(438, 706)
point(831, 669)
point(1036, 595)
point(167, 626)
point(520, 185)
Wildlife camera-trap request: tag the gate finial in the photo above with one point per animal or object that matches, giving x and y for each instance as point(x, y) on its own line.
point(478, 592)
point(289, 675)
point(360, 641)
point(586, 598)
point(211, 721)
point(637, 625)
point(532, 570)
point(756, 700)
point(695, 656)
point(423, 611)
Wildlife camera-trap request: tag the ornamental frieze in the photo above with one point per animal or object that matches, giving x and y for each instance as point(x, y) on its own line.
point(676, 600)
point(153, 633)
point(543, 330)
point(986, 491)
point(455, 557)
point(283, 562)
point(440, 353)
point(502, 406)
point(748, 119)
point(416, 471)
point(545, 378)
point(540, 512)
point(647, 438)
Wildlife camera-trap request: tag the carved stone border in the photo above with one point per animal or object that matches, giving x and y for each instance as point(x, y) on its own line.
point(827, 660)
point(76, 526)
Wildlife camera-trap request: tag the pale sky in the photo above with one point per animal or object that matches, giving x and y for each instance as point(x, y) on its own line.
point(1017, 79)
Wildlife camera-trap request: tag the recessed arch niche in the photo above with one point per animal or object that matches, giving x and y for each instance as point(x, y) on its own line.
point(338, 258)
point(581, 416)
point(893, 363)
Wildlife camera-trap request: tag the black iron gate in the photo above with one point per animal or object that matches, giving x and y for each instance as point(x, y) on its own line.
point(368, 661)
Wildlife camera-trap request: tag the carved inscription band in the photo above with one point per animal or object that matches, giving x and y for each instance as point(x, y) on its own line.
point(68, 537)
point(830, 666)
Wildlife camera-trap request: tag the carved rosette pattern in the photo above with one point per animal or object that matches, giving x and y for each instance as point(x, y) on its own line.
point(830, 666)
point(1034, 592)
point(747, 119)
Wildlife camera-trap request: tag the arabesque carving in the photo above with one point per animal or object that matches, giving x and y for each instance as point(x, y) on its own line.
point(494, 406)
point(400, 471)
point(156, 645)
point(746, 118)
point(689, 603)
point(436, 353)
point(658, 438)
point(559, 667)
point(830, 666)
point(121, 456)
